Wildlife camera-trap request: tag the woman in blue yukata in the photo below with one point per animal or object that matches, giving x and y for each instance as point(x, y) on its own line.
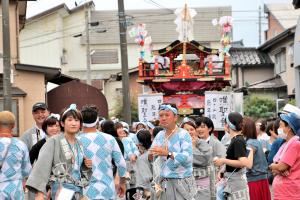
point(173, 147)
point(130, 153)
point(62, 161)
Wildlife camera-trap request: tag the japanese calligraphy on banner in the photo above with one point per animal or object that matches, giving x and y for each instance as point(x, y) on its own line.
point(148, 105)
point(218, 104)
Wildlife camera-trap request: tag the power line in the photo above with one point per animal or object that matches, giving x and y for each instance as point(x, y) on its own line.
point(114, 26)
point(53, 32)
point(158, 15)
point(47, 41)
point(107, 26)
point(159, 5)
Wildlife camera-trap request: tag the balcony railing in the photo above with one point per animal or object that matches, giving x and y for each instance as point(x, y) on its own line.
point(176, 70)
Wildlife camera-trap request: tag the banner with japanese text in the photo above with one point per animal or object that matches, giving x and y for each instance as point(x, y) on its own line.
point(218, 104)
point(148, 105)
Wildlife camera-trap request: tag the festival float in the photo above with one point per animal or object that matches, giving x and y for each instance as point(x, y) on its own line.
point(185, 69)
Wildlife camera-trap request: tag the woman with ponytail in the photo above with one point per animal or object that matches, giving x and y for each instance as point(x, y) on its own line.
point(234, 182)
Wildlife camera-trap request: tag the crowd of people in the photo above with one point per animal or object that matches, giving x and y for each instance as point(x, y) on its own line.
point(79, 155)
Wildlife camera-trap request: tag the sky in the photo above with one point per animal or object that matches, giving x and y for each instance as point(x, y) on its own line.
point(244, 12)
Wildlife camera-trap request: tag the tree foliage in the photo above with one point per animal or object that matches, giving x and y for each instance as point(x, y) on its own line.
point(259, 107)
point(118, 109)
point(292, 101)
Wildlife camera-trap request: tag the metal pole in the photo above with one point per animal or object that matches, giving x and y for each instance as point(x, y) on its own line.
point(259, 25)
point(297, 63)
point(124, 62)
point(6, 56)
point(88, 56)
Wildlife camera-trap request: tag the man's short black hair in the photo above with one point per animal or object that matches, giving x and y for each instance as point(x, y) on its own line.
point(89, 113)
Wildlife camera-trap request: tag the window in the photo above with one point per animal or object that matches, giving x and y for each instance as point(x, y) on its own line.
point(15, 111)
point(104, 56)
point(280, 61)
point(291, 54)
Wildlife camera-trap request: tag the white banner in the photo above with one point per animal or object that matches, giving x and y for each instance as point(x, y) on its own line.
point(218, 104)
point(148, 105)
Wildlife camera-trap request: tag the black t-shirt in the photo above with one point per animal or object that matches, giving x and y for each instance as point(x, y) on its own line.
point(35, 150)
point(235, 150)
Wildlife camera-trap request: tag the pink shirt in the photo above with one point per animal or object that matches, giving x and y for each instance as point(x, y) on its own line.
point(287, 188)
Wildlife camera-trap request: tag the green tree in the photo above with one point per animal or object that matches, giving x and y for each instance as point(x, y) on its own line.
point(118, 109)
point(259, 107)
point(292, 101)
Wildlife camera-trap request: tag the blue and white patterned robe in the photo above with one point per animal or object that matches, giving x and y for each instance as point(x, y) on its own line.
point(180, 144)
point(16, 166)
point(130, 148)
point(133, 137)
point(102, 149)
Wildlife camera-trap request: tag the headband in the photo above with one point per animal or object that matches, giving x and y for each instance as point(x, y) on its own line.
point(187, 119)
point(168, 107)
point(230, 124)
point(90, 125)
point(55, 116)
point(150, 125)
point(71, 107)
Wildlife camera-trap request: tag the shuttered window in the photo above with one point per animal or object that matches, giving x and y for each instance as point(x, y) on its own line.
point(104, 56)
point(280, 61)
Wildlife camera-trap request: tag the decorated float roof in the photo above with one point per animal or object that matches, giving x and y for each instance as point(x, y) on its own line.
point(192, 47)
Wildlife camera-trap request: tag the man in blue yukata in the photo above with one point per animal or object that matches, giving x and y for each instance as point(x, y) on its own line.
point(172, 150)
point(102, 149)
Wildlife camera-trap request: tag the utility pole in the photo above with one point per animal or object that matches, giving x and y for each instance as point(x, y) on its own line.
point(124, 62)
point(297, 63)
point(259, 25)
point(6, 56)
point(87, 33)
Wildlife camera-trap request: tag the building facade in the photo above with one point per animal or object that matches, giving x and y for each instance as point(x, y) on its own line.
point(279, 43)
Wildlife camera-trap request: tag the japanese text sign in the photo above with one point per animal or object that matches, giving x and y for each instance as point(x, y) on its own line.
point(219, 104)
point(148, 105)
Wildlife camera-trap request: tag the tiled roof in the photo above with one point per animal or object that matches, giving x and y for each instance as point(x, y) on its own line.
point(275, 82)
point(159, 24)
point(243, 57)
point(285, 13)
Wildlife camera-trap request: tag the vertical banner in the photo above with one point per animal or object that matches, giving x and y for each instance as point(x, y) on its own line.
point(148, 105)
point(219, 104)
